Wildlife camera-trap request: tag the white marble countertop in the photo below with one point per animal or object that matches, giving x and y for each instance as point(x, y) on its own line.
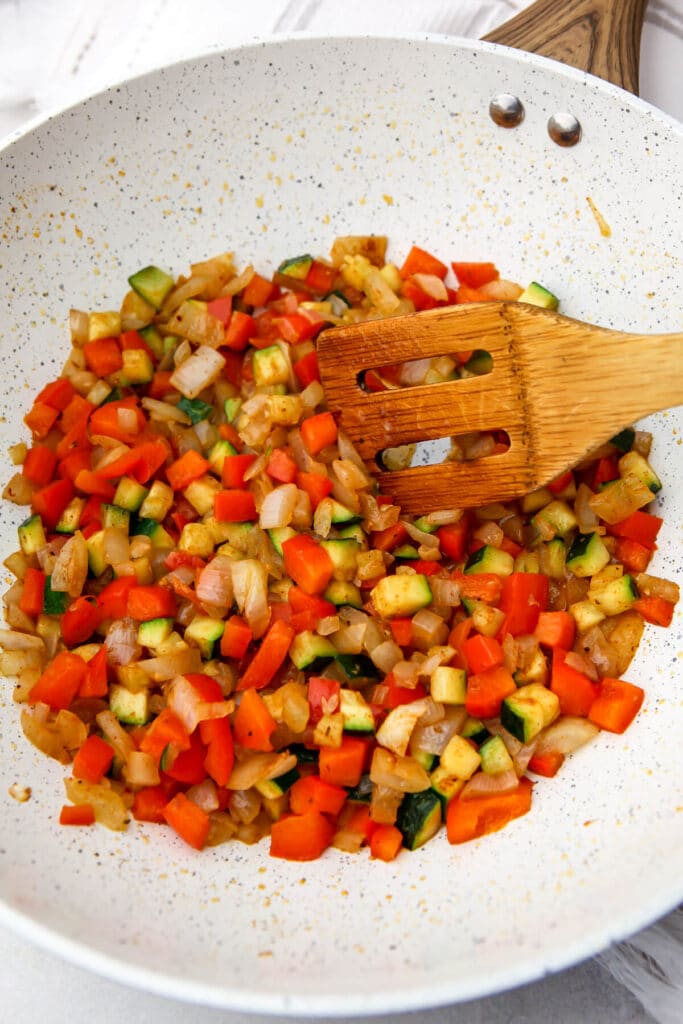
point(53, 52)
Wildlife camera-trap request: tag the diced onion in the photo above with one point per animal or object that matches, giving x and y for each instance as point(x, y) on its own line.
point(566, 735)
point(185, 701)
point(122, 642)
point(483, 784)
point(198, 371)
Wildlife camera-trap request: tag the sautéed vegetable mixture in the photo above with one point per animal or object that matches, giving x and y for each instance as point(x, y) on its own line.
point(220, 623)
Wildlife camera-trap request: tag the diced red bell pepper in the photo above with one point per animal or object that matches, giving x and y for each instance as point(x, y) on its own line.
point(469, 819)
point(268, 658)
point(640, 526)
point(49, 502)
point(281, 466)
point(79, 814)
point(320, 277)
point(113, 599)
point(654, 609)
point(58, 393)
point(482, 652)
point(40, 419)
point(306, 369)
point(234, 468)
point(524, 595)
point(311, 793)
point(616, 704)
point(575, 690)
point(80, 620)
point(188, 765)
point(60, 682)
point(240, 328)
point(308, 564)
point(315, 485)
point(301, 837)
point(39, 465)
point(453, 539)
point(221, 308)
point(151, 601)
point(253, 723)
point(216, 733)
point(343, 765)
point(189, 467)
point(236, 638)
point(319, 431)
point(635, 557)
point(556, 629)
point(33, 595)
point(234, 506)
point(323, 697)
point(259, 291)
point(487, 690)
point(103, 356)
point(96, 682)
point(149, 804)
point(419, 261)
point(93, 760)
point(474, 275)
point(189, 821)
point(111, 420)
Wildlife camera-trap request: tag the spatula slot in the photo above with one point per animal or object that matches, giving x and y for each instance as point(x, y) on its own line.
point(460, 448)
point(432, 371)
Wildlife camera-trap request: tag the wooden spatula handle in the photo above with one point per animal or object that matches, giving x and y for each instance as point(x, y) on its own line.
point(600, 36)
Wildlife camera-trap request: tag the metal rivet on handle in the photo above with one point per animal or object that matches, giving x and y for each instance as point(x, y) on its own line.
point(564, 129)
point(506, 110)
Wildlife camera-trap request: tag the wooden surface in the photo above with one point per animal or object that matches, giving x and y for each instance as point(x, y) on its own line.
point(558, 387)
point(600, 36)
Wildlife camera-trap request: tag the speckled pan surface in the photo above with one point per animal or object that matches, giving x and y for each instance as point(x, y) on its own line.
point(268, 151)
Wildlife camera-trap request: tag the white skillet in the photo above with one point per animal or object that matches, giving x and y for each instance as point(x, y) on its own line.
point(271, 150)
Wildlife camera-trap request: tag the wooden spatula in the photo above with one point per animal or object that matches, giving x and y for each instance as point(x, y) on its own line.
point(558, 387)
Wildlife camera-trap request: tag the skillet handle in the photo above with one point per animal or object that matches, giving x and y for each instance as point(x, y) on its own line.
point(599, 36)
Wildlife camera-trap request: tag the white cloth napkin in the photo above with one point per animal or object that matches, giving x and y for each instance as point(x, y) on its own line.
point(54, 53)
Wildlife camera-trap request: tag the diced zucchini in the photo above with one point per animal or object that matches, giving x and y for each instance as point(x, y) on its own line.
point(445, 785)
point(552, 557)
point(480, 362)
point(130, 494)
point(557, 517)
point(196, 539)
point(407, 551)
point(297, 267)
point(586, 615)
point(137, 368)
point(357, 668)
point(130, 708)
point(490, 559)
point(97, 561)
point(616, 596)
point(104, 324)
point(402, 594)
point(32, 535)
point(279, 534)
point(356, 712)
point(634, 462)
point(270, 366)
point(71, 516)
point(495, 757)
point(195, 408)
point(219, 453)
point(271, 789)
point(232, 407)
point(201, 493)
point(344, 557)
point(535, 500)
point(537, 295)
point(341, 515)
point(529, 710)
point(344, 593)
point(152, 285)
point(55, 602)
point(426, 525)
point(587, 554)
point(354, 532)
point(449, 685)
point(623, 441)
point(527, 561)
point(308, 647)
point(459, 758)
point(474, 729)
point(153, 340)
point(158, 503)
point(115, 516)
point(204, 631)
point(419, 818)
point(159, 537)
point(155, 632)
point(424, 758)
